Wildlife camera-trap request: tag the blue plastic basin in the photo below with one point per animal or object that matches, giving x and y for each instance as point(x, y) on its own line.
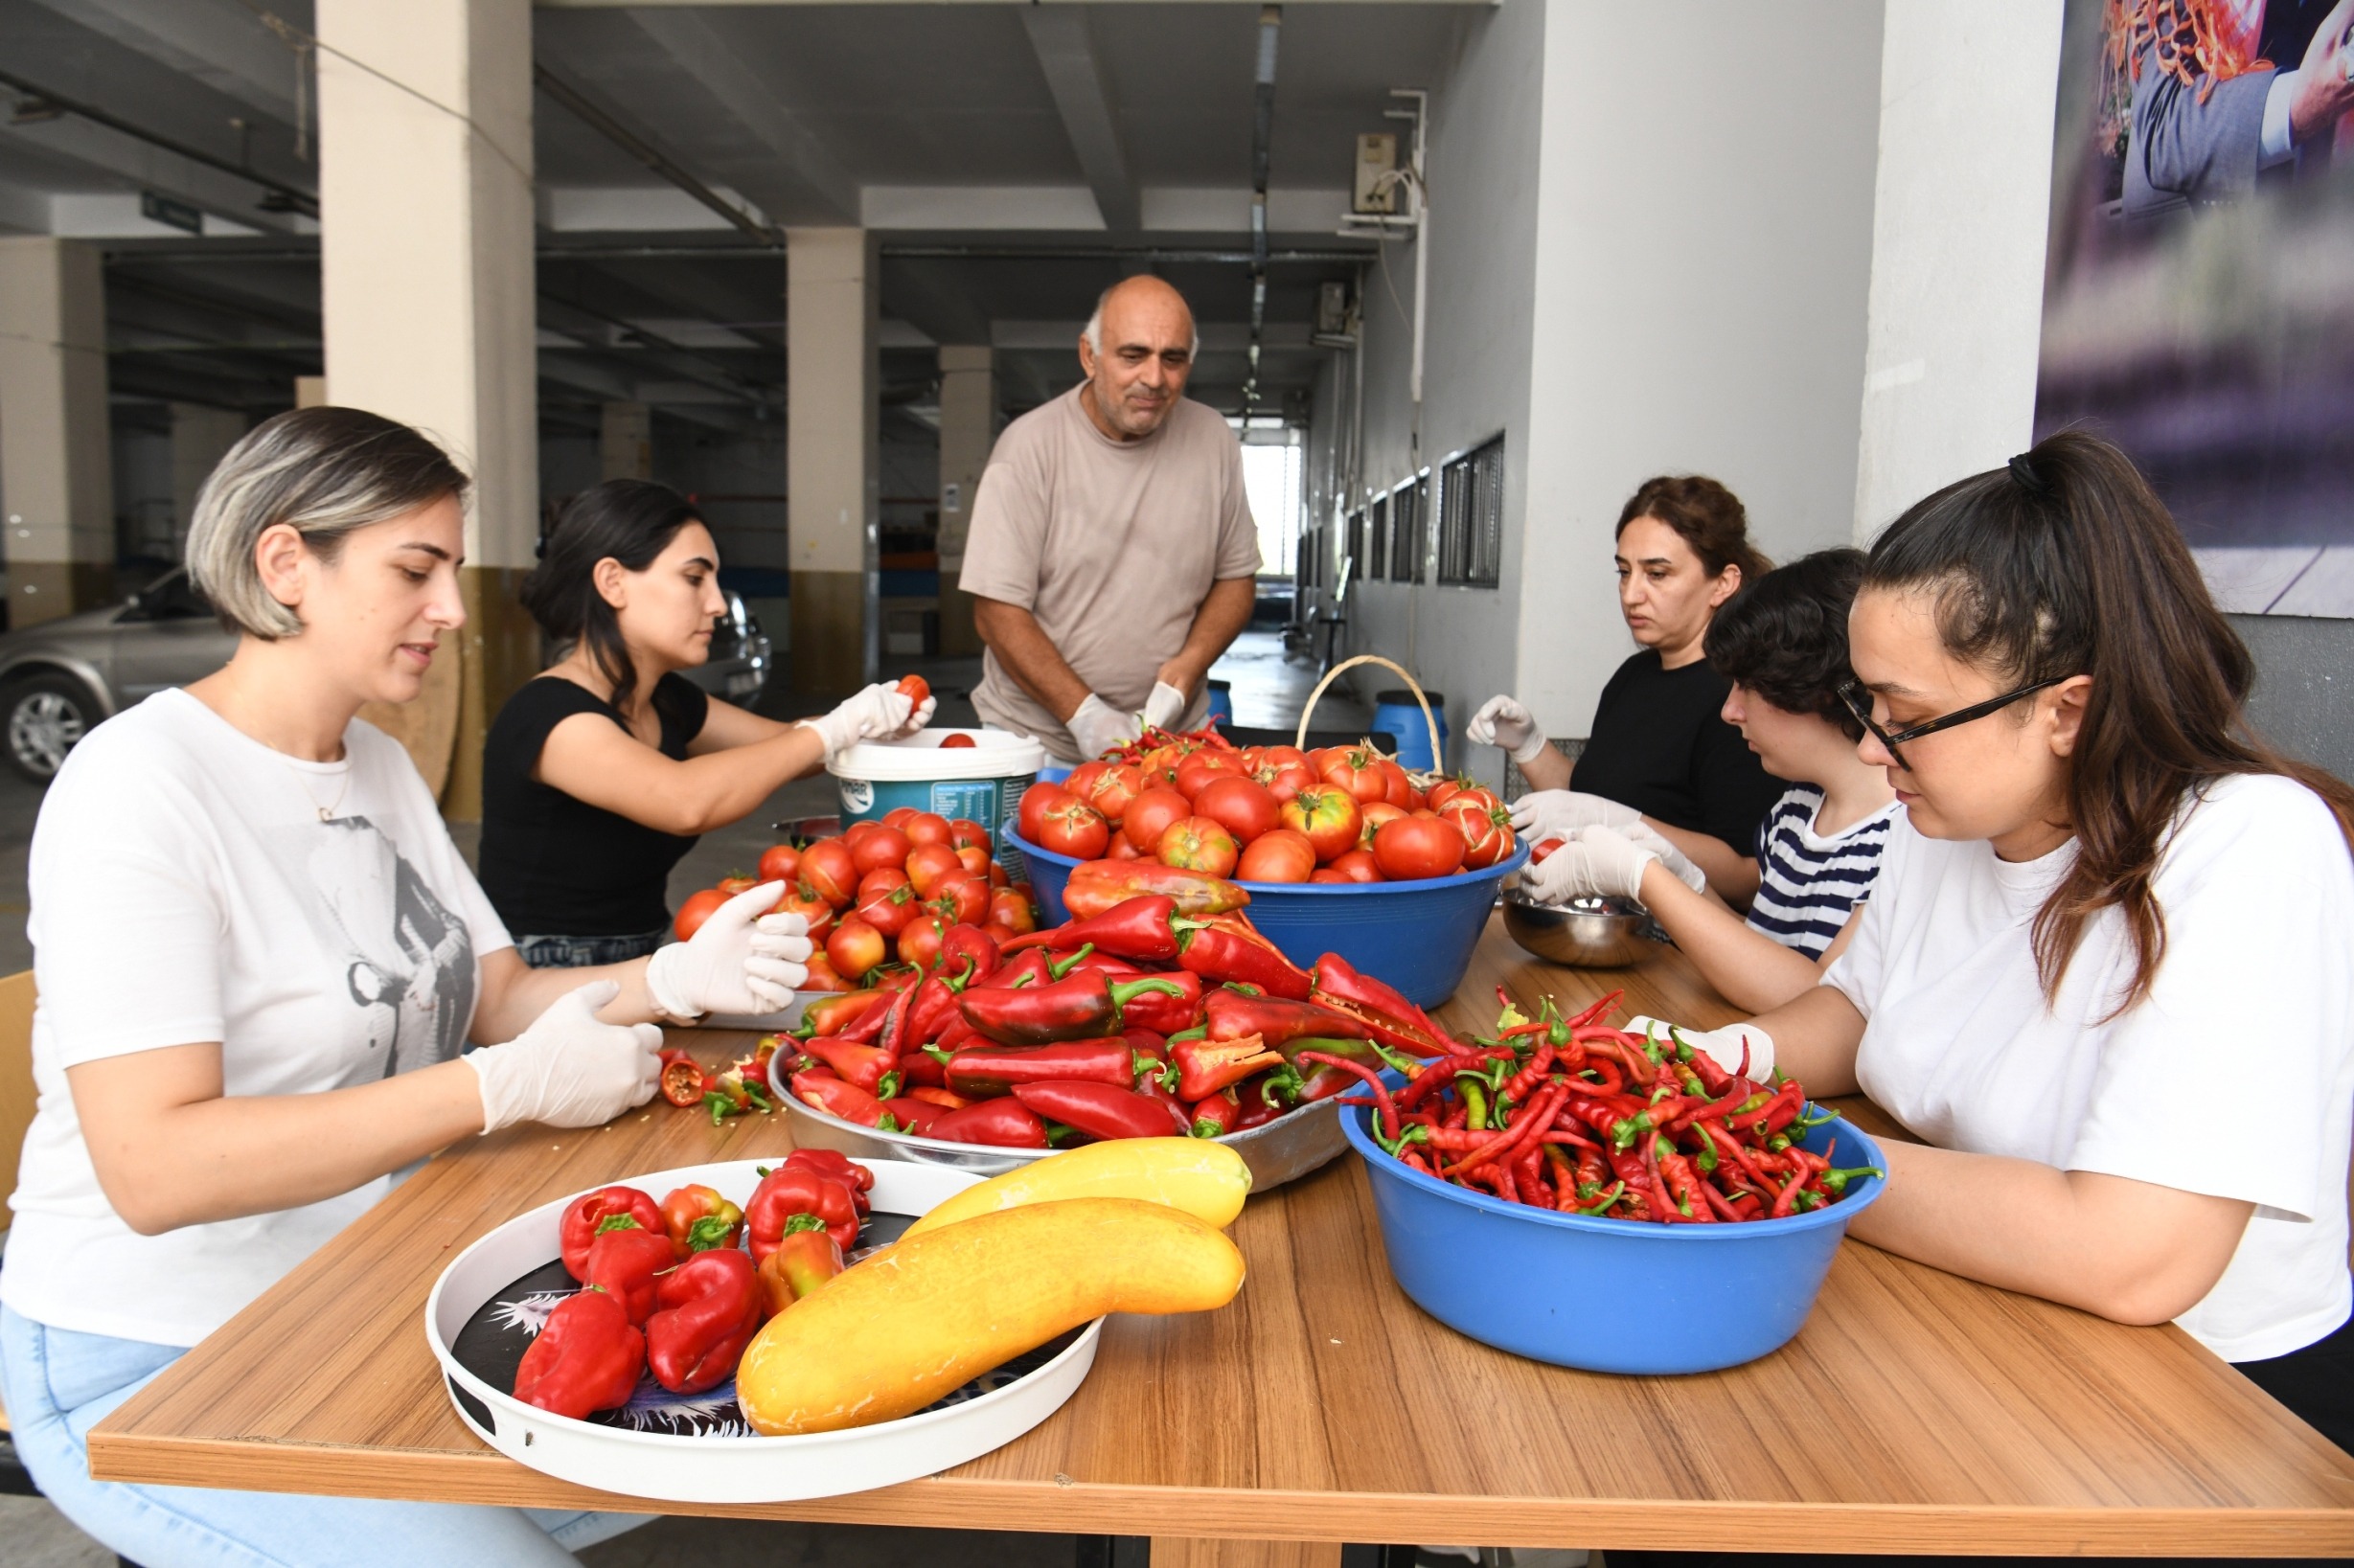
point(1415, 936)
point(1608, 1295)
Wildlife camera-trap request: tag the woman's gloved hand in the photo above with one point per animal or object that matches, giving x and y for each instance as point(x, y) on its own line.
point(879, 712)
point(1503, 721)
point(569, 1069)
point(1644, 836)
point(743, 960)
point(1726, 1047)
point(1559, 814)
point(1602, 863)
point(1097, 726)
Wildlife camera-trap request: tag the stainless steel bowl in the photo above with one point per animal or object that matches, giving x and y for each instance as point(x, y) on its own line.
point(1584, 932)
point(1281, 1151)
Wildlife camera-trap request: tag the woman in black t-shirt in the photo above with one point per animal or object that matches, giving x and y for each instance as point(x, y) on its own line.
point(600, 774)
point(1660, 756)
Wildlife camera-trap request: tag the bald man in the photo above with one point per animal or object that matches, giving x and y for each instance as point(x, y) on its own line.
point(1113, 552)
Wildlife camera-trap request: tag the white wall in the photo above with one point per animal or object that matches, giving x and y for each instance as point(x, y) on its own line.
point(1703, 246)
point(1964, 190)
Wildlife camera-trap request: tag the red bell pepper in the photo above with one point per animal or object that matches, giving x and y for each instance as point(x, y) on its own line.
point(698, 1219)
point(1389, 1016)
point(1214, 1116)
point(586, 1357)
point(1165, 1012)
point(962, 944)
point(840, 1167)
point(1231, 1015)
point(1095, 886)
point(832, 1014)
point(578, 1227)
point(1206, 1066)
point(862, 1066)
point(827, 1092)
point(802, 1263)
point(1137, 927)
point(1004, 1122)
point(711, 1305)
point(985, 1071)
point(1228, 948)
point(796, 1190)
point(1101, 1110)
point(625, 1261)
point(1083, 1007)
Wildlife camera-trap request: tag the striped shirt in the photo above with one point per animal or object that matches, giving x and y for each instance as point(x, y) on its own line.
point(1808, 883)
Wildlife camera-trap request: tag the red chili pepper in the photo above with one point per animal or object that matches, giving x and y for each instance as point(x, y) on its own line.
point(1162, 1010)
point(798, 1190)
point(578, 1229)
point(1083, 1007)
point(1258, 1109)
point(1214, 1116)
point(1683, 1184)
point(912, 1115)
point(802, 1264)
point(682, 1080)
point(1029, 969)
point(836, 1098)
point(832, 1014)
point(1373, 1081)
point(624, 1262)
point(1233, 1015)
point(1137, 927)
point(1228, 948)
point(985, 1071)
point(697, 1219)
point(711, 1305)
point(1004, 1122)
point(1101, 1110)
point(1096, 886)
point(965, 944)
point(1520, 1132)
point(1390, 1015)
point(1206, 1066)
point(586, 1357)
point(862, 1066)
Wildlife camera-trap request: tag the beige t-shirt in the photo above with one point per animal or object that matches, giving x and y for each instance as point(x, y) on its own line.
point(1111, 545)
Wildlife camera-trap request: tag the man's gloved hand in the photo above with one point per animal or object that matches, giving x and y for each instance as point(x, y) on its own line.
point(1644, 836)
point(569, 1069)
point(1559, 814)
point(1165, 706)
point(742, 960)
point(1725, 1046)
point(1098, 726)
point(1597, 863)
point(1503, 721)
point(878, 712)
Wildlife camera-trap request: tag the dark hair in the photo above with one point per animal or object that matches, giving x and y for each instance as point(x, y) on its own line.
point(630, 520)
point(1784, 635)
point(1709, 518)
point(2067, 563)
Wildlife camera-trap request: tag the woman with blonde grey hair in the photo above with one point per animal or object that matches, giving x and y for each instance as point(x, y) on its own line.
point(260, 959)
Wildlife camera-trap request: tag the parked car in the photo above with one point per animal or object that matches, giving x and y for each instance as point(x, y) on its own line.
point(61, 678)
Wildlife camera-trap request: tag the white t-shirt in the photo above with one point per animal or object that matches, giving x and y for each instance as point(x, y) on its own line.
point(184, 889)
point(2234, 1078)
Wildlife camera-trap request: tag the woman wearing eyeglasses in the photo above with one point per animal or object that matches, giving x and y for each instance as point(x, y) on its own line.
point(2106, 906)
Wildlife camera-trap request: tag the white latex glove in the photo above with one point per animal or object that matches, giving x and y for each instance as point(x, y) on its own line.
point(743, 960)
point(569, 1069)
point(1559, 814)
point(1098, 726)
point(1722, 1045)
point(878, 712)
point(1503, 721)
point(1165, 706)
point(1597, 863)
point(1644, 836)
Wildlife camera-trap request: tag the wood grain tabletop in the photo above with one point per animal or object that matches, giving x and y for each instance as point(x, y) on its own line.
point(1915, 1412)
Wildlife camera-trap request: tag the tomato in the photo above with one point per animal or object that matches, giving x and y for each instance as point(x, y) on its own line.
point(1401, 792)
point(822, 975)
point(1544, 848)
point(1074, 827)
point(856, 833)
point(885, 878)
point(1412, 848)
point(855, 948)
point(1199, 844)
point(1244, 806)
point(1081, 780)
point(1372, 816)
point(1284, 780)
point(780, 863)
point(1486, 830)
point(926, 828)
point(915, 689)
point(928, 863)
point(996, 875)
point(733, 885)
point(888, 908)
point(1121, 850)
point(1195, 773)
point(1149, 815)
point(801, 899)
point(899, 816)
point(1326, 873)
point(965, 833)
point(1283, 855)
point(883, 846)
point(828, 867)
point(919, 944)
point(1031, 817)
point(956, 739)
point(1358, 772)
point(1328, 816)
point(1009, 908)
point(1283, 757)
point(1115, 790)
point(1357, 866)
point(699, 908)
point(964, 893)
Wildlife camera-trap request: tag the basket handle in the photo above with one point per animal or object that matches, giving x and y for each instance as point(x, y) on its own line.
point(1438, 762)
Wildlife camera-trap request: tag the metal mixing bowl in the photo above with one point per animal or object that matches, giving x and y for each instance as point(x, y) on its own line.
point(1584, 932)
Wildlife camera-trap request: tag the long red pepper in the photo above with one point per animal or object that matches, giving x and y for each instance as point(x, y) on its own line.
point(1137, 927)
point(1086, 1006)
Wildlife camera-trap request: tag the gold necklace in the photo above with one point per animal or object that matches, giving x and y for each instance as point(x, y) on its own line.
point(326, 812)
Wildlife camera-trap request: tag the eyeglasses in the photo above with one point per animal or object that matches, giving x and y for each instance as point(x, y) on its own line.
point(1860, 703)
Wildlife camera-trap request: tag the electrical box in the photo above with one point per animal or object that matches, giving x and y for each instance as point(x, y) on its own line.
point(1377, 155)
point(1332, 310)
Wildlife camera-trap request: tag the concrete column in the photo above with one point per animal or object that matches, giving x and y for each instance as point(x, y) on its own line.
point(425, 272)
point(625, 442)
point(968, 430)
point(832, 457)
point(55, 472)
point(201, 436)
point(311, 392)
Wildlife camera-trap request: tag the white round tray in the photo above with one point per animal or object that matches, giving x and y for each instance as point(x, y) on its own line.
point(707, 1468)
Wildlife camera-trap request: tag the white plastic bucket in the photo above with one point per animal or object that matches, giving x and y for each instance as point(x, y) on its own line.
point(982, 782)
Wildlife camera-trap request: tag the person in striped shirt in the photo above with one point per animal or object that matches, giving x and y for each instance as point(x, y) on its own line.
point(1782, 643)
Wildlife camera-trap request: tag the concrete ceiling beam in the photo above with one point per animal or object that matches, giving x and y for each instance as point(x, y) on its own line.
point(1075, 76)
point(142, 166)
point(240, 60)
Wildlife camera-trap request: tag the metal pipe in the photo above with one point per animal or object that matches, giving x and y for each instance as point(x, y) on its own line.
point(299, 199)
point(653, 157)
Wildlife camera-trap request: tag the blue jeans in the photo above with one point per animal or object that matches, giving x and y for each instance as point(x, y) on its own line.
point(580, 952)
point(58, 1384)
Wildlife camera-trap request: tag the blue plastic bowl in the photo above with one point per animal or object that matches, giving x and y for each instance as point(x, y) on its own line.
point(1415, 936)
point(1608, 1295)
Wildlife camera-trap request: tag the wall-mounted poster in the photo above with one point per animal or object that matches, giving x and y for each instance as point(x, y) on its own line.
point(2199, 286)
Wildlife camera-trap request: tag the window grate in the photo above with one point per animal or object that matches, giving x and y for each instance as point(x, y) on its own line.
point(1353, 539)
point(1410, 505)
point(1471, 534)
point(1377, 540)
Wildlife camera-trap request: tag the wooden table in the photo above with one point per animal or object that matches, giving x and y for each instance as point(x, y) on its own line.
point(1915, 1412)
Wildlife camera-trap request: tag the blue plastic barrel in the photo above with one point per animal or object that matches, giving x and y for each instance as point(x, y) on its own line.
point(1398, 712)
point(1222, 704)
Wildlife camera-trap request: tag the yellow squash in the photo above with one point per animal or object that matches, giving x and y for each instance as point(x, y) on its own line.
point(919, 1319)
point(1207, 1180)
